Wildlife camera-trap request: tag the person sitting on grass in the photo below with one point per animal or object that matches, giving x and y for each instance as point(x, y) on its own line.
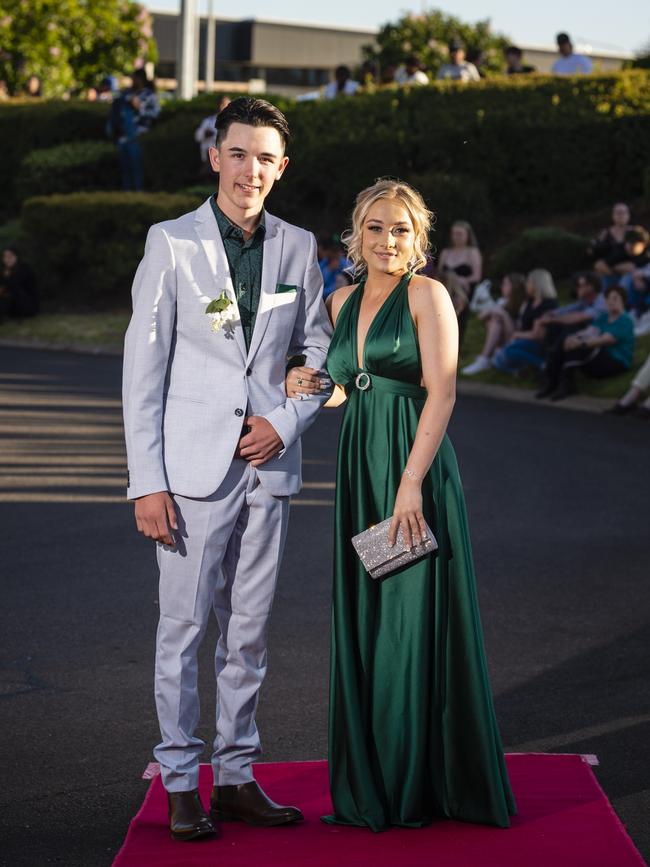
point(603, 349)
point(555, 325)
point(629, 403)
point(526, 346)
point(500, 320)
point(607, 249)
point(18, 291)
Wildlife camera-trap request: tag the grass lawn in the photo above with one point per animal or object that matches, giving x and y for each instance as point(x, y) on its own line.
point(612, 387)
point(109, 328)
point(67, 328)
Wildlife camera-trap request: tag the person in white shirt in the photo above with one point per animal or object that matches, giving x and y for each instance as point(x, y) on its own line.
point(343, 85)
point(411, 72)
point(458, 69)
point(569, 63)
point(206, 134)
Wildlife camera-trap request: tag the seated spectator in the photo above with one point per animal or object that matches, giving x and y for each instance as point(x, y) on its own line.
point(630, 400)
point(388, 74)
point(608, 247)
point(458, 69)
point(589, 303)
point(476, 56)
point(333, 264)
point(515, 66)
point(411, 72)
point(462, 256)
point(463, 259)
point(18, 292)
point(206, 135)
point(343, 85)
point(569, 63)
point(605, 348)
point(635, 270)
point(368, 73)
point(500, 320)
point(526, 346)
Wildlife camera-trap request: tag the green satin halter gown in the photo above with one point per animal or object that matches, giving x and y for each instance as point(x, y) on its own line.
point(412, 730)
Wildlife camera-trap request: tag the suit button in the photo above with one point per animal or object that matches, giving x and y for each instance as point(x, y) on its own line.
point(239, 412)
point(249, 371)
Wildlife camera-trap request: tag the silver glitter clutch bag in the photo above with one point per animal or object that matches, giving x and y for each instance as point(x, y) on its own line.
point(380, 559)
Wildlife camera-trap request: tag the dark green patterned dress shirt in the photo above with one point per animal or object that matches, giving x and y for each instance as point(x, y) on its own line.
point(245, 262)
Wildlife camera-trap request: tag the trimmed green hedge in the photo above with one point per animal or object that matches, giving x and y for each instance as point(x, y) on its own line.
point(561, 252)
point(529, 145)
point(24, 127)
point(75, 166)
point(86, 247)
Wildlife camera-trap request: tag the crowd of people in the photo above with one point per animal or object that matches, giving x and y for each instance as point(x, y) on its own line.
point(463, 64)
point(526, 329)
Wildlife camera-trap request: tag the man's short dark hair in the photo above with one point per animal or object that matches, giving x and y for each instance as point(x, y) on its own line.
point(614, 287)
point(563, 38)
point(252, 112)
point(589, 277)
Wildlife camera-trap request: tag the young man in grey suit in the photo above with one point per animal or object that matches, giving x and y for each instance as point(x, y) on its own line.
point(222, 296)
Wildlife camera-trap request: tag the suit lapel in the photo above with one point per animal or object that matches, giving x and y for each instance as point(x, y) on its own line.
point(271, 262)
point(206, 228)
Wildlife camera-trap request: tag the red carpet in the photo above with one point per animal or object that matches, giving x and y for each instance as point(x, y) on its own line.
point(564, 820)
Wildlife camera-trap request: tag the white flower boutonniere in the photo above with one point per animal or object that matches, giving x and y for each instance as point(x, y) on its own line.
point(223, 313)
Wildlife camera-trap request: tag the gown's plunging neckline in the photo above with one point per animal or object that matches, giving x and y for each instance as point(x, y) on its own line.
point(361, 287)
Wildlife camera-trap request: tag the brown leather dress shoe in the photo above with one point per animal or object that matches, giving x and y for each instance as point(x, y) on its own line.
point(187, 818)
point(248, 803)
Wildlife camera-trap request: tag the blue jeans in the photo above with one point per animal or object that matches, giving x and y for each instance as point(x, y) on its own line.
point(636, 300)
point(131, 163)
point(519, 354)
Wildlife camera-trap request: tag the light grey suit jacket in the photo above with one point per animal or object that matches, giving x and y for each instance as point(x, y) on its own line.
point(186, 389)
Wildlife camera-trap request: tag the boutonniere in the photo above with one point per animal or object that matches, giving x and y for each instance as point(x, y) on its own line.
point(223, 313)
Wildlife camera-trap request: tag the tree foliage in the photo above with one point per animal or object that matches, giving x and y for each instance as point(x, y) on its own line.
point(71, 44)
point(428, 35)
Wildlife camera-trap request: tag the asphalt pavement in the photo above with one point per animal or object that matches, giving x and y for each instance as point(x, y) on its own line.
point(558, 506)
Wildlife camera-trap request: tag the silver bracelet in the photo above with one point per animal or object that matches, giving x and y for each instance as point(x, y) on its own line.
point(412, 475)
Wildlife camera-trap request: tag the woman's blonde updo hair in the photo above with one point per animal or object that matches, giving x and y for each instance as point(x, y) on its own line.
point(421, 217)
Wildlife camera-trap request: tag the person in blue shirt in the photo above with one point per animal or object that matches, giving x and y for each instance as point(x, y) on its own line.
point(333, 264)
point(605, 348)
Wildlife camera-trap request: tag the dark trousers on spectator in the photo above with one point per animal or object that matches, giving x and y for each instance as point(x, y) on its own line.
point(131, 164)
point(562, 364)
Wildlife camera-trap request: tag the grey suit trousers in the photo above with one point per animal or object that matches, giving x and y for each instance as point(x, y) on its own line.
point(227, 560)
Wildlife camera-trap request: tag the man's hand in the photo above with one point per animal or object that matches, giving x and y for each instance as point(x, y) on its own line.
point(155, 517)
point(261, 443)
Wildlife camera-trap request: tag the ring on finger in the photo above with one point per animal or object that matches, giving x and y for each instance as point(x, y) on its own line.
point(299, 380)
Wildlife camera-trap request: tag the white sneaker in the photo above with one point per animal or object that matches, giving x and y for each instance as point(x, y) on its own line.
point(479, 364)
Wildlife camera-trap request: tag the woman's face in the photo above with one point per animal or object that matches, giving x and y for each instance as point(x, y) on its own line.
point(614, 304)
point(9, 258)
point(388, 239)
point(459, 236)
point(530, 288)
point(620, 214)
point(506, 287)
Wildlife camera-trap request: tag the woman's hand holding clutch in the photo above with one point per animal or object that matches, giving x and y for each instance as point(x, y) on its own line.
point(408, 512)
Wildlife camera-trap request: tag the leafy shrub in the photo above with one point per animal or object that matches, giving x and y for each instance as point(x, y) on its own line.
point(27, 126)
point(75, 166)
point(86, 246)
point(455, 197)
point(557, 250)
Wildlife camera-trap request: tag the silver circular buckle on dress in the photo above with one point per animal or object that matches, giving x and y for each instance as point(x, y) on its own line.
point(362, 384)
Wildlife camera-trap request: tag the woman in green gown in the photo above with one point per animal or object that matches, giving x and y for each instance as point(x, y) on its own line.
point(412, 730)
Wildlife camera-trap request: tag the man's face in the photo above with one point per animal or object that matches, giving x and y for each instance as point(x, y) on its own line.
point(457, 56)
point(249, 161)
point(585, 289)
point(565, 48)
point(634, 248)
